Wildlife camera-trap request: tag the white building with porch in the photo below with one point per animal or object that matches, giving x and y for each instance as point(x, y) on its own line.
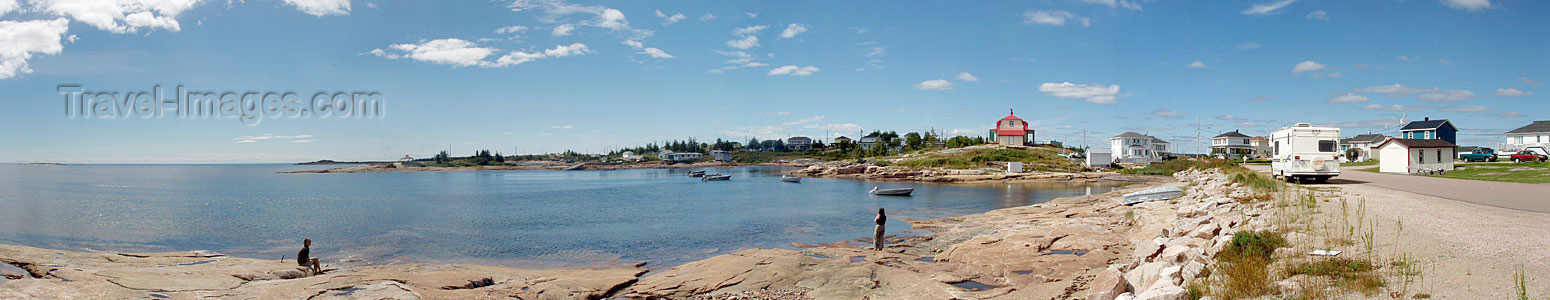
point(1410, 156)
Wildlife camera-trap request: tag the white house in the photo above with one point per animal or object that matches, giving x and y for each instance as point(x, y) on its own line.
point(800, 143)
point(1408, 156)
point(1535, 134)
point(1260, 146)
point(869, 140)
point(630, 156)
point(680, 156)
point(1134, 147)
point(1363, 143)
point(1232, 145)
point(1161, 148)
point(721, 156)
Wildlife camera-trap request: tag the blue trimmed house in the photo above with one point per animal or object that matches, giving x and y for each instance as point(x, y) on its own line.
point(1429, 129)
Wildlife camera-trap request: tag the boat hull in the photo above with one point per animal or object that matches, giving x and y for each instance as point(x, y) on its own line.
point(1163, 193)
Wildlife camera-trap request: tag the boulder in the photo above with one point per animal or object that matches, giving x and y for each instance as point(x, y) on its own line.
point(1205, 232)
point(1164, 292)
point(1191, 270)
point(1126, 296)
point(1147, 249)
point(1108, 285)
point(1171, 275)
point(1142, 277)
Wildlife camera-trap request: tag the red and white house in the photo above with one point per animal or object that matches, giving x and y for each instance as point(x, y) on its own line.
point(1409, 156)
point(1012, 130)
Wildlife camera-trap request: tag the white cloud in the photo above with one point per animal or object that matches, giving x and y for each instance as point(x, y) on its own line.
point(1444, 61)
point(1198, 65)
point(1530, 81)
point(1318, 15)
point(1510, 114)
point(511, 29)
point(557, 11)
point(777, 113)
point(1468, 5)
point(566, 126)
point(120, 16)
point(1248, 46)
point(1510, 92)
point(669, 20)
point(965, 76)
point(1336, 74)
point(752, 14)
point(1307, 66)
point(793, 30)
point(746, 42)
point(453, 51)
point(253, 139)
point(750, 30)
point(562, 30)
point(463, 53)
point(842, 127)
point(1262, 99)
point(760, 132)
point(934, 84)
point(1094, 93)
point(1126, 4)
point(1052, 17)
point(1406, 58)
point(1229, 118)
point(1446, 96)
point(1465, 108)
point(7, 6)
point(650, 51)
point(793, 71)
point(1395, 107)
point(1348, 98)
point(321, 7)
point(737, 60)
point(1394, 91)
point(20, 40)
point(1267, 8)
point(707, 17)
point(812, 119)
point(1167, 114)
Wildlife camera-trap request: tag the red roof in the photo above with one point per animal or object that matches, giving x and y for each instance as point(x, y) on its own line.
point(1010, 132)
point(1010, 117)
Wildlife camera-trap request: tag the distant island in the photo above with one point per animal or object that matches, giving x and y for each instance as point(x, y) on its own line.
point(43, 164)
point(331, 162)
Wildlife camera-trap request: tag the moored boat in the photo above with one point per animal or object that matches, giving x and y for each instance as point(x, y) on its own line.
point(892, 192)
point(700, 173)
point(789, 178)
point(1162, 193)
point(716, 177)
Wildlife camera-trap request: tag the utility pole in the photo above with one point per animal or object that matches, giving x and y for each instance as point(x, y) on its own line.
point(1197, 136)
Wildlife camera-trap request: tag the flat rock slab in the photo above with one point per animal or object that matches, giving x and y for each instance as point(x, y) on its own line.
point(59, 274)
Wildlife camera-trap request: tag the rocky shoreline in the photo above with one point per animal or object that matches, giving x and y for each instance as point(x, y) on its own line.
point(1087, 247)
point(938, 175)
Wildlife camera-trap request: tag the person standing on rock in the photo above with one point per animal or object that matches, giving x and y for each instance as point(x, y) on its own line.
point(304, 257)
point(877, 237)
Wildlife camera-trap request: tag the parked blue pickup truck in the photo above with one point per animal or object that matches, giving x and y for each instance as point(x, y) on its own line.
point(1480, 154)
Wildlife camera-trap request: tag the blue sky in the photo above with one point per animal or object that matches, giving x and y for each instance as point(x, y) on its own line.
point(546, 76)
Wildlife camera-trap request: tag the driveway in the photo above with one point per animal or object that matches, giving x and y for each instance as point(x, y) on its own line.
point(1511, 195)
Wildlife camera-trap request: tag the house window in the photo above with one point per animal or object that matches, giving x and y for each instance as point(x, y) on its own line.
point(1439, 155)
point(1420, 158)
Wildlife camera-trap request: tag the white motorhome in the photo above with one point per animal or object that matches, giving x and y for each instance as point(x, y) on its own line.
point(1304, 152)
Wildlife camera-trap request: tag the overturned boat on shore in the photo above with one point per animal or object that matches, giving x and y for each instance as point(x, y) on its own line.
point(1162, 193)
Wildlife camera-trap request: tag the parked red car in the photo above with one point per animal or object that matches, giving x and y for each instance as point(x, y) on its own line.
point(1528, 156)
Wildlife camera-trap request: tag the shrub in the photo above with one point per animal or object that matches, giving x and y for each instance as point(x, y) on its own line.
point(1251, 245)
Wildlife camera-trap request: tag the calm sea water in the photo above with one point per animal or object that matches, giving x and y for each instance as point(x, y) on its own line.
point(515, 218)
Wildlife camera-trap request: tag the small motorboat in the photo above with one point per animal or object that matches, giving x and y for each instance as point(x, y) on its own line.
point(1162, 193)
point(789, 178)
point(716, 177)
point(700, 173)
point(892, 192)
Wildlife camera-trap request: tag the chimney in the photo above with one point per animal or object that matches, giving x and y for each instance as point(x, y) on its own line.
point(1427, 119)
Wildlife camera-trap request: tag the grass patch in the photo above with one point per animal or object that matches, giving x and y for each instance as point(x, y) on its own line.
point(1347, 273)
point(753, 157)
point(1243, 265)
point(1256, 181)
point(1034, 159)
point(1370, 162)
point(1536, 172)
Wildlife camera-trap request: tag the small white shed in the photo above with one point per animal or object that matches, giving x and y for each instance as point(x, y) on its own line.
point(1099, 158)
point(1409, 156)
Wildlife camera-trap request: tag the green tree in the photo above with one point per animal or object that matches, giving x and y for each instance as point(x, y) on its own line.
point(913, 141)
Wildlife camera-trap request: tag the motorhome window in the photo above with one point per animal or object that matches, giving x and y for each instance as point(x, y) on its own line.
point(1278, 148)
point(1326, 146)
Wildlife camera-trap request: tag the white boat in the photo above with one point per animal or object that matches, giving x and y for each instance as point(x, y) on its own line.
point(892, 192)
point(1162, 193)
point(715, 177)
point(789, 178)
point(700, 173)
